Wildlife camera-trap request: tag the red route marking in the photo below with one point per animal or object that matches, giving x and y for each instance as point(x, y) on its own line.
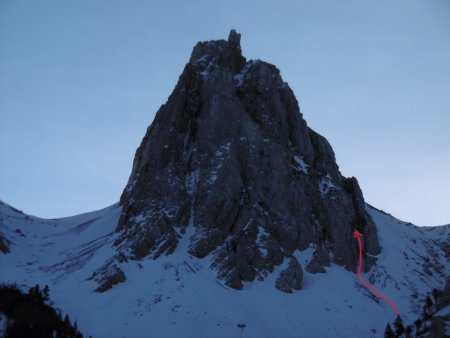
point(358, 235)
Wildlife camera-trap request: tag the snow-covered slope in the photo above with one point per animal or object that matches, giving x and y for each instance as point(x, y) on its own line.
point(180, 296)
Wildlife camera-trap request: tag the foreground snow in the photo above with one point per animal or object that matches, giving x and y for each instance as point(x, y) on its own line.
point(179, 295)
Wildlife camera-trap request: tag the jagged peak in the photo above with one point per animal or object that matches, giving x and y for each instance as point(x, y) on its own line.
point(234, 39)
point(233, 129)
point(225, 53)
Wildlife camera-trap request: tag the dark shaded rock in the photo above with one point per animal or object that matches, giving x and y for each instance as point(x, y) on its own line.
point(107, 276)
point(446, 249)
point(291, 277)
point(230, 154)
point(319, 259)
point(4, 245)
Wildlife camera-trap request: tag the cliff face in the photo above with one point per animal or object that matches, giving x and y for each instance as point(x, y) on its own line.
point(230, 154)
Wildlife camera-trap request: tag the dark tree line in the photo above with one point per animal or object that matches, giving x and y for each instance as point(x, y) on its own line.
point(419, 326)
point(30, 316)
point(399, 329)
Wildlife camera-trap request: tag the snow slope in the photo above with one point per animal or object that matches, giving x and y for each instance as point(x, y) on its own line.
point(180, 296)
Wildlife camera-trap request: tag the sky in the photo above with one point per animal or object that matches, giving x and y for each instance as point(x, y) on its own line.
point(80, 81)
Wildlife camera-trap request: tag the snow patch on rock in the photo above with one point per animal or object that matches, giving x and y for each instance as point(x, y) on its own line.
point(327, 185)
point(300, 164)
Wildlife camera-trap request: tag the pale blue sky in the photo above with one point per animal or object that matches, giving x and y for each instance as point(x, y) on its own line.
point(80, 82)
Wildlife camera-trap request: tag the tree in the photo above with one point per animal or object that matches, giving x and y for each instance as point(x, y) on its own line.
point(35, 293)
point(408, 331)
point(67, 325)
point(46, 293)
point(436, 294)
point(388, 333)
point(418, 324)
point(67, 321)
point(428, 302)
point(426, 316)
point(398, 324)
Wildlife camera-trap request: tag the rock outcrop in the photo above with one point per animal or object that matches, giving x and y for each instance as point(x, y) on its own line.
point(290, 278)
point(108, 275)
point(230, 155)
point(4, 245)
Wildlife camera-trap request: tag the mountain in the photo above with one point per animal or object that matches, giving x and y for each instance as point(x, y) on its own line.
point(230, 154)
point(235, 222)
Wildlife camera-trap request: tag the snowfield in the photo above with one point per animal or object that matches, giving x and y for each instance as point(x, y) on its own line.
point(179, 295)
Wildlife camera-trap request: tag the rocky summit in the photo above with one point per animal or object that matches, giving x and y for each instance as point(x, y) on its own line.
point(230, 162)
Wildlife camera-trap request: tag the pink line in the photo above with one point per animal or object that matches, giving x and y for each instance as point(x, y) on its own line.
point(366, 283)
